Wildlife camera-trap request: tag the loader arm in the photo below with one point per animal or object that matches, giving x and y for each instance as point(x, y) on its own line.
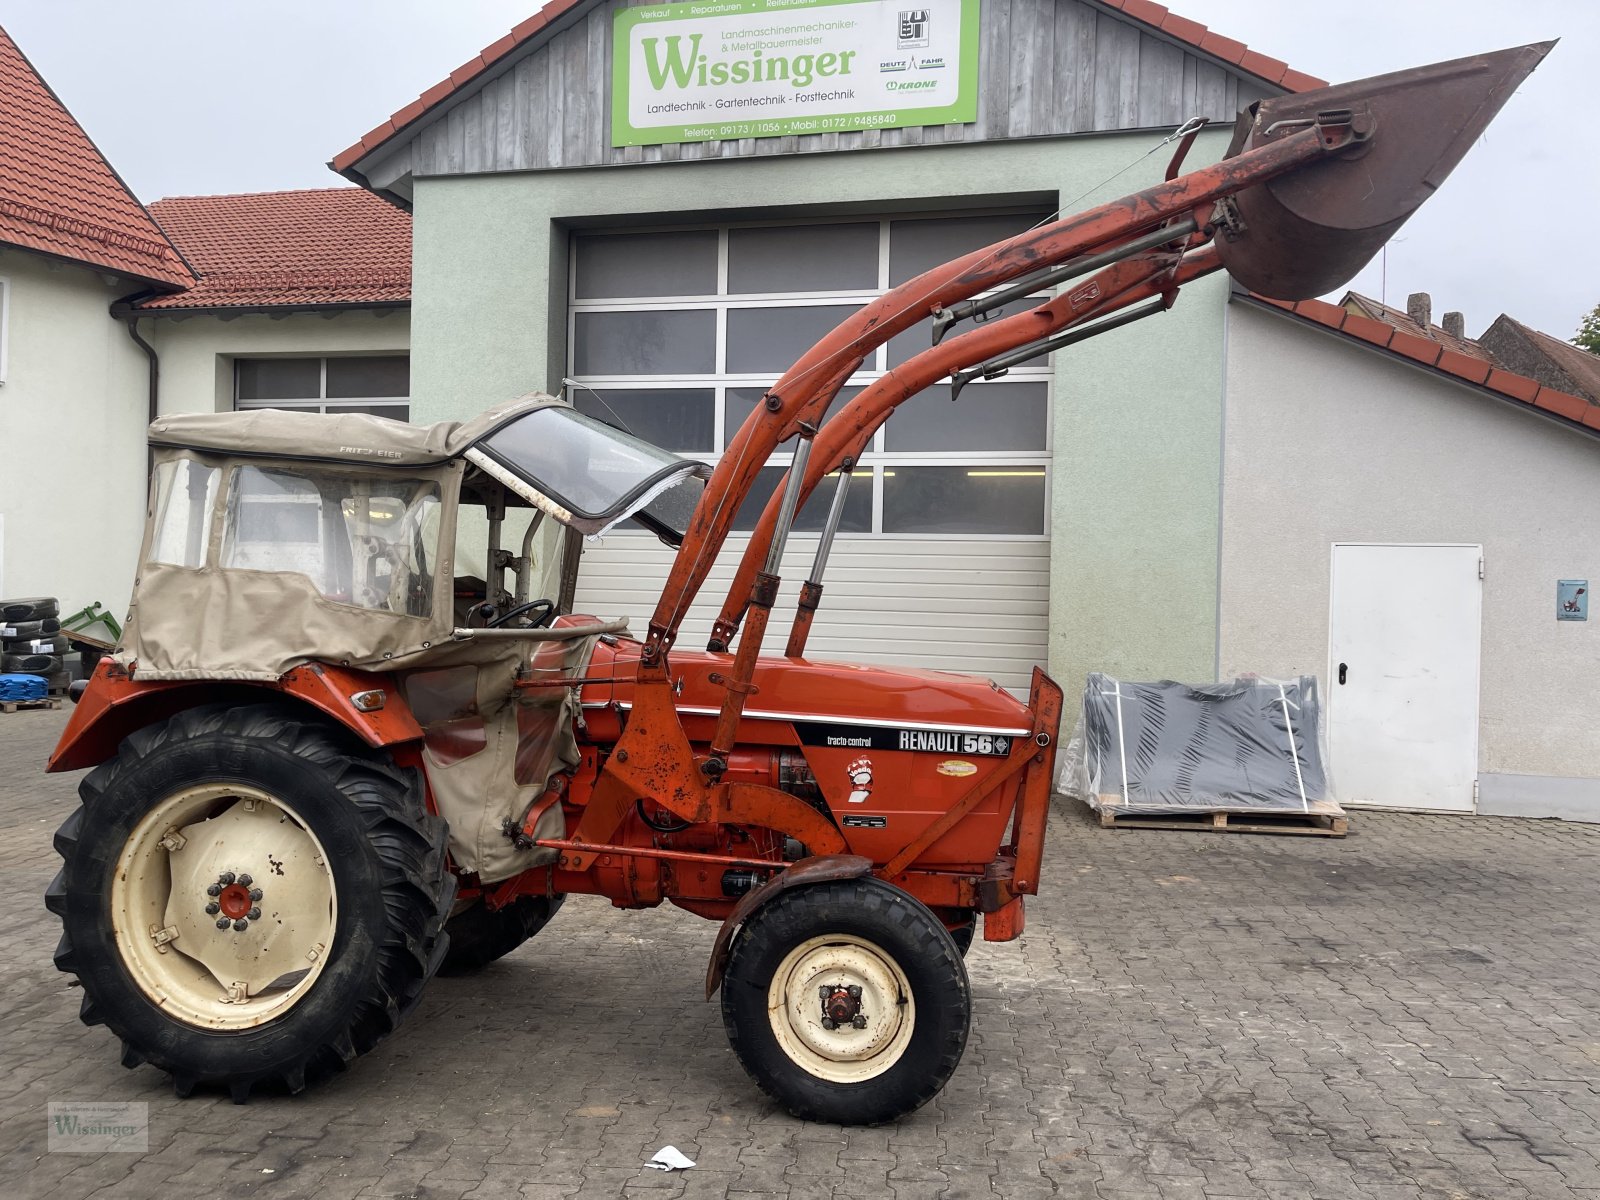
point(1324, 178)
point(802, 395)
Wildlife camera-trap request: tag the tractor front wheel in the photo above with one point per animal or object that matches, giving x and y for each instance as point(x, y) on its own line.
point(249, 897)
point(847, 1002)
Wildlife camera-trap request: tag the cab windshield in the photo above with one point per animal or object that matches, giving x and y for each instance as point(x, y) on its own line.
point(591, 476)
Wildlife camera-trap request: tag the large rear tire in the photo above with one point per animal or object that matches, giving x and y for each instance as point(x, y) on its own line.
point(249, 897)
point(847, 1001)
point(479, 935)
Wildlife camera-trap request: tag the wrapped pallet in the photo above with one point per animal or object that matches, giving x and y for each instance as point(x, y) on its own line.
point(1250, 746)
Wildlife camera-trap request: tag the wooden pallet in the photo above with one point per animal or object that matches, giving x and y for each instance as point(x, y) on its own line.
point(1331, 823)
point(11, 706)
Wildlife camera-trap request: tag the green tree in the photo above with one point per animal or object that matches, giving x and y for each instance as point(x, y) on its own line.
point(1588, 336)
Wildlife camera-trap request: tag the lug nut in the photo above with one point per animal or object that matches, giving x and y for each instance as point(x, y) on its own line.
point(214, 890)
point(859, 1021)
point(829, 1023)
point(225, 878)
point(244, 881)
point(223, 922)
point(254, 914)
point(255, 893)
point(213, 909)
point(241, 925)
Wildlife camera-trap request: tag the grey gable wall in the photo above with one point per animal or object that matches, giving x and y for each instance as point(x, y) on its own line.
point(1046, 67)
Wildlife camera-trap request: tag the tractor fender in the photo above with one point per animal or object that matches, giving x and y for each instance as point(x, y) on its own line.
point(819, 868)
point(117, 703)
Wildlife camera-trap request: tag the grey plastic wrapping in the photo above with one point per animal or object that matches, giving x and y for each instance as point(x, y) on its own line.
point(1253, 745)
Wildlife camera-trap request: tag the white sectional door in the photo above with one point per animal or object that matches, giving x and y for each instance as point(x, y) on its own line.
point(1403, 656)
point(942, 559)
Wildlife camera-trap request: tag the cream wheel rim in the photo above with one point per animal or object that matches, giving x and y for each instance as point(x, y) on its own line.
point(223, 906)
point(862, 980)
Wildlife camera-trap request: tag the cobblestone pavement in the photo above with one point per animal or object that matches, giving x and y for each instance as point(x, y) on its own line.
point(1410, 1012)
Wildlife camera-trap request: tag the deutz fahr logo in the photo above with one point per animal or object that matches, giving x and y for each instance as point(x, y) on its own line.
point(913, 28)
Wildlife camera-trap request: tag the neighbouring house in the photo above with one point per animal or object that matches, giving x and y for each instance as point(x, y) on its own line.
point(111, 312)
point(1554, 363)
point(302, 300)
point(74, 242)
point(1186, 498)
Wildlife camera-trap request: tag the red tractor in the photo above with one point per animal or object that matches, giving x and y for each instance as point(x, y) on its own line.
point(329, 761)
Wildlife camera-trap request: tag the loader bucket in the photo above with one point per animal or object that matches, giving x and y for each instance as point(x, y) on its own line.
point(1309, 232)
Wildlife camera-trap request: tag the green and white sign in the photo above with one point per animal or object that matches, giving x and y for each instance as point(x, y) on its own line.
point(760, 68)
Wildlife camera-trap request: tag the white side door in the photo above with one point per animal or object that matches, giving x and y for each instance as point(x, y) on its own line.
point(1403, 646)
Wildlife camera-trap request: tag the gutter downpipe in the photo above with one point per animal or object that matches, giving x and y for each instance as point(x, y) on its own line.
point(123, 310)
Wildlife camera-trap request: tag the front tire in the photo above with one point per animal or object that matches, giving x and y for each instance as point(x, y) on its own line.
point(875, 962)
point(249, 897)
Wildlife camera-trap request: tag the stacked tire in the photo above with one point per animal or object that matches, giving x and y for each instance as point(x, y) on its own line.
point(31, 641)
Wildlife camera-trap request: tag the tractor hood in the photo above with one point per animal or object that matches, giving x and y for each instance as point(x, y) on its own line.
point(869, 706)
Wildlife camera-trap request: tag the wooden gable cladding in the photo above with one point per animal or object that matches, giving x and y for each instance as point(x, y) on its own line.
point(1046, 68)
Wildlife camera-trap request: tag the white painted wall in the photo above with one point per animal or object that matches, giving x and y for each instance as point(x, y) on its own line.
point(72, 417)
point(1327, 441)
point(197, 353)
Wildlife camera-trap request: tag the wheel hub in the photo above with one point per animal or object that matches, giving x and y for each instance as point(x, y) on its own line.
point(236, 900)
point(842, 1006)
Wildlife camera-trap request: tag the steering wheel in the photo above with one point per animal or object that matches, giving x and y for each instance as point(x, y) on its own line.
point(546, 615)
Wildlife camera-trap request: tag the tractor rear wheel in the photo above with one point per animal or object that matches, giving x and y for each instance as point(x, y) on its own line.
point(847, 1001)
point(479, 934)
point(249, 897)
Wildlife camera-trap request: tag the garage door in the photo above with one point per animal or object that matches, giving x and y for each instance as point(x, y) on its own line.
point(943, 556)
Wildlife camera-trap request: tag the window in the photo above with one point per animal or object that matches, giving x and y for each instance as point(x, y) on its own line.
point(379, 385)
point(184, 493)
point(676, 334)
point(363, 541)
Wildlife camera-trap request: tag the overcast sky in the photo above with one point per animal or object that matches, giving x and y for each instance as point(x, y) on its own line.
point(202, 96)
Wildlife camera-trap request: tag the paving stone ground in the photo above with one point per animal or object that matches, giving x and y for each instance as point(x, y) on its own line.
point(1413, 1011)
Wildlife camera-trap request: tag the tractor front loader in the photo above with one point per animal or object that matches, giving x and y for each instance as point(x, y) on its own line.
point(331, 758)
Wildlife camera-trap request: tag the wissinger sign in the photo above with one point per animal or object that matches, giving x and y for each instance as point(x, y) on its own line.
point(761, 68)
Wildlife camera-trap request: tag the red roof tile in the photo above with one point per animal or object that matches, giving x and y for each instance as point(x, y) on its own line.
point(58, 194)
point(1464, 367)
point(1424, 350)
point(1145, 12)
point(1519, 387)
point(1571, 407)
point(324, 246)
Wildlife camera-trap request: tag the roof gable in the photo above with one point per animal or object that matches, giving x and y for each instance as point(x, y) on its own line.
point(312, 248)
point(58, 194)
point(539, 97)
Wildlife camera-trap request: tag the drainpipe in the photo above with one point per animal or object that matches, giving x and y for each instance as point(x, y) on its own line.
point(123, 310)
